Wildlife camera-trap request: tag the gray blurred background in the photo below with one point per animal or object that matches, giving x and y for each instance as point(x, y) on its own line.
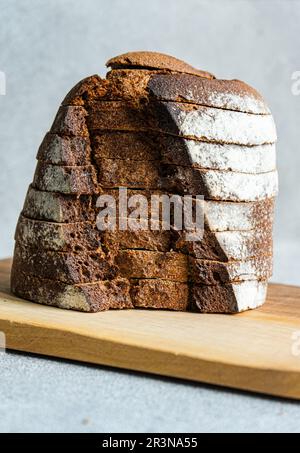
point(47, 46)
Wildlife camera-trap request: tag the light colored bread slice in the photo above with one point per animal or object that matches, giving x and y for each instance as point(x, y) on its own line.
point(91, 297)
point(230, 216)
point(228, 298)
point(230, 186)
point(217, 125)
point(68, 180)
point(235, 158)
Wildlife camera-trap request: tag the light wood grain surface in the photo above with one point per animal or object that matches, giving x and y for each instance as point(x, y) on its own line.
point(253, 351)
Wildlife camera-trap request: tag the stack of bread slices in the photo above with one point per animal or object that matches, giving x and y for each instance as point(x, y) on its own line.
point(154, 125)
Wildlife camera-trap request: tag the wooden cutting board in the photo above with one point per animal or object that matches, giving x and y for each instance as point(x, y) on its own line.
point(258, 350)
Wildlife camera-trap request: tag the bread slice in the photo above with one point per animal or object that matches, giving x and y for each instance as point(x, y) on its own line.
point(217, 156)
point(140, 264)
point(70, 121)
point(138, 146)
point(142, 84)
point(82, 236)
point(228, 298)
point(76, 237)
point(69, 180)
point(88, 297)
point(185, 120)
point(56, 207)
point(212, 184)
point(154, 60)
point(227, 245)
point(65, 150)
point(207, 272)
point(159, 294)
point(224, 94)
point(66, 267)
point(146, 264)
point(216, 125)
point(126, 146)
point(230, 216)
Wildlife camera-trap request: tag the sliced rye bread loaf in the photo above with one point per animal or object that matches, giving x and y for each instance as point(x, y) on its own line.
point(82, 111)
point(88, 297)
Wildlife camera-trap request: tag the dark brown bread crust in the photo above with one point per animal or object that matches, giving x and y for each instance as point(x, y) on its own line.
point(92, 297)
point(226, 94)
point(154, 60)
